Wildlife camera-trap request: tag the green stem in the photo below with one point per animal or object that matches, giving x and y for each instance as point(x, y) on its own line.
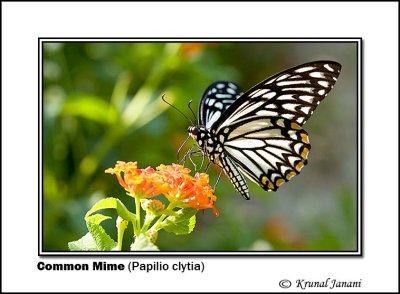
point(163, 216)
point(147, 222)
point(138, 226)
point(121, 227)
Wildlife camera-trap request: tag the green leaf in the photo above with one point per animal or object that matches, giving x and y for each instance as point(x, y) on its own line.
point(90, 107)
point(97, 218)
point(182, 223)
point(103, 241)
point(143, 243)
point(97, 239)
point(112, 203)
point(86, 243)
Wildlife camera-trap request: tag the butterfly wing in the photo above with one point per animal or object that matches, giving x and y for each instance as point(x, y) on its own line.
point(268, 150)
point(261, 131)
point(216, 100)
point(292, 94)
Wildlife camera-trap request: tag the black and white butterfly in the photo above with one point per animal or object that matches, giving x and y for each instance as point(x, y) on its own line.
point(259, 133)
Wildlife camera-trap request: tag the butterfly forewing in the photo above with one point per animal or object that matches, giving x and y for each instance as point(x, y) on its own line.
point(292, 94)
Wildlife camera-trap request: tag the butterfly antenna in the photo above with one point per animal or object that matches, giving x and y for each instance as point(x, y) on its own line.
point(174, 107)
point(191, 110)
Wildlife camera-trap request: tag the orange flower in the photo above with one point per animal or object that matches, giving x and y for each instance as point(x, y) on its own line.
point(173, 181)
point(185, 190)
point(136, 181)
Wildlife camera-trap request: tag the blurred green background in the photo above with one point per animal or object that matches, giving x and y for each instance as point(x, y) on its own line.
point(102, 103)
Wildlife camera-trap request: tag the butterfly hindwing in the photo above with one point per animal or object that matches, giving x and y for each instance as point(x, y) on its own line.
point(216, 100)
point(268, 150)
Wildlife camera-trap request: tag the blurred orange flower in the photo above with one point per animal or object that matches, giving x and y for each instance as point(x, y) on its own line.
point(173, 181)
point(191, 50)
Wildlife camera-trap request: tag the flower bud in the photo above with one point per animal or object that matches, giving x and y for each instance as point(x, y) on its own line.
point(153, 206)
point(152, 236)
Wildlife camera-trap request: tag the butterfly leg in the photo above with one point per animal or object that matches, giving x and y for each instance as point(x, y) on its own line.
point(183, 160)
point(208, 165)
point(216, 183)
point(180, 147)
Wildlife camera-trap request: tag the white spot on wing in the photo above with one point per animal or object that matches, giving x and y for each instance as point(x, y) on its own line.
point(288, 83)
point(321, 92)
point(297, 147)
point(233, 86)
point(270, 158)
point(219, 105)
point(324, 84)
point(293, 159)
point(271, 106)
point(290, 106)
point(292, 134)
point(213, 119)
point(250, 127)
point(280, 143)
point(266, 134)
point(246, 143)
point(303, 69)
point(220, 86)
point(266, 113)
point(306, 109)
point(288, 116)
point(270, 81)
point(259, 92)
point(328, 67)
point(282, 77)
point(223, 95)
point(307, 98)
point(269, 95)
point(304, 89)
point(242, 158)
point(317, 74)
point(280, 122)
point(286, 97)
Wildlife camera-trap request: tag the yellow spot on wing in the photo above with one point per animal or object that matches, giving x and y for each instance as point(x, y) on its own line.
point(304, 154)
point(299, 166)
point(290, 175)
point(280, 182)
point(304, 138)
point(264, 180)
point(295, 126)
point(270, 185)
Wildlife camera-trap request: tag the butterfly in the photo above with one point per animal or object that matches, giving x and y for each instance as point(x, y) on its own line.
point(259, 134)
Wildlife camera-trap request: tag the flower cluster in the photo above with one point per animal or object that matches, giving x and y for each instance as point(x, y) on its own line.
point(173, 181)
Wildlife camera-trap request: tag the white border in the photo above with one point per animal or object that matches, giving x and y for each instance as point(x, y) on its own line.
point(376, 22)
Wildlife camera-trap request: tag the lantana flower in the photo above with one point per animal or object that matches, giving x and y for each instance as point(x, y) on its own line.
point(187, 191)
point(173, 181)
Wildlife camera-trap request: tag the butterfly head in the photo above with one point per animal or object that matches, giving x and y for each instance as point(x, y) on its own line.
point(198, 133)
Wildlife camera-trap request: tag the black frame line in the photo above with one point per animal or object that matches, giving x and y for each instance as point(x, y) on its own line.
point(207, 254)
